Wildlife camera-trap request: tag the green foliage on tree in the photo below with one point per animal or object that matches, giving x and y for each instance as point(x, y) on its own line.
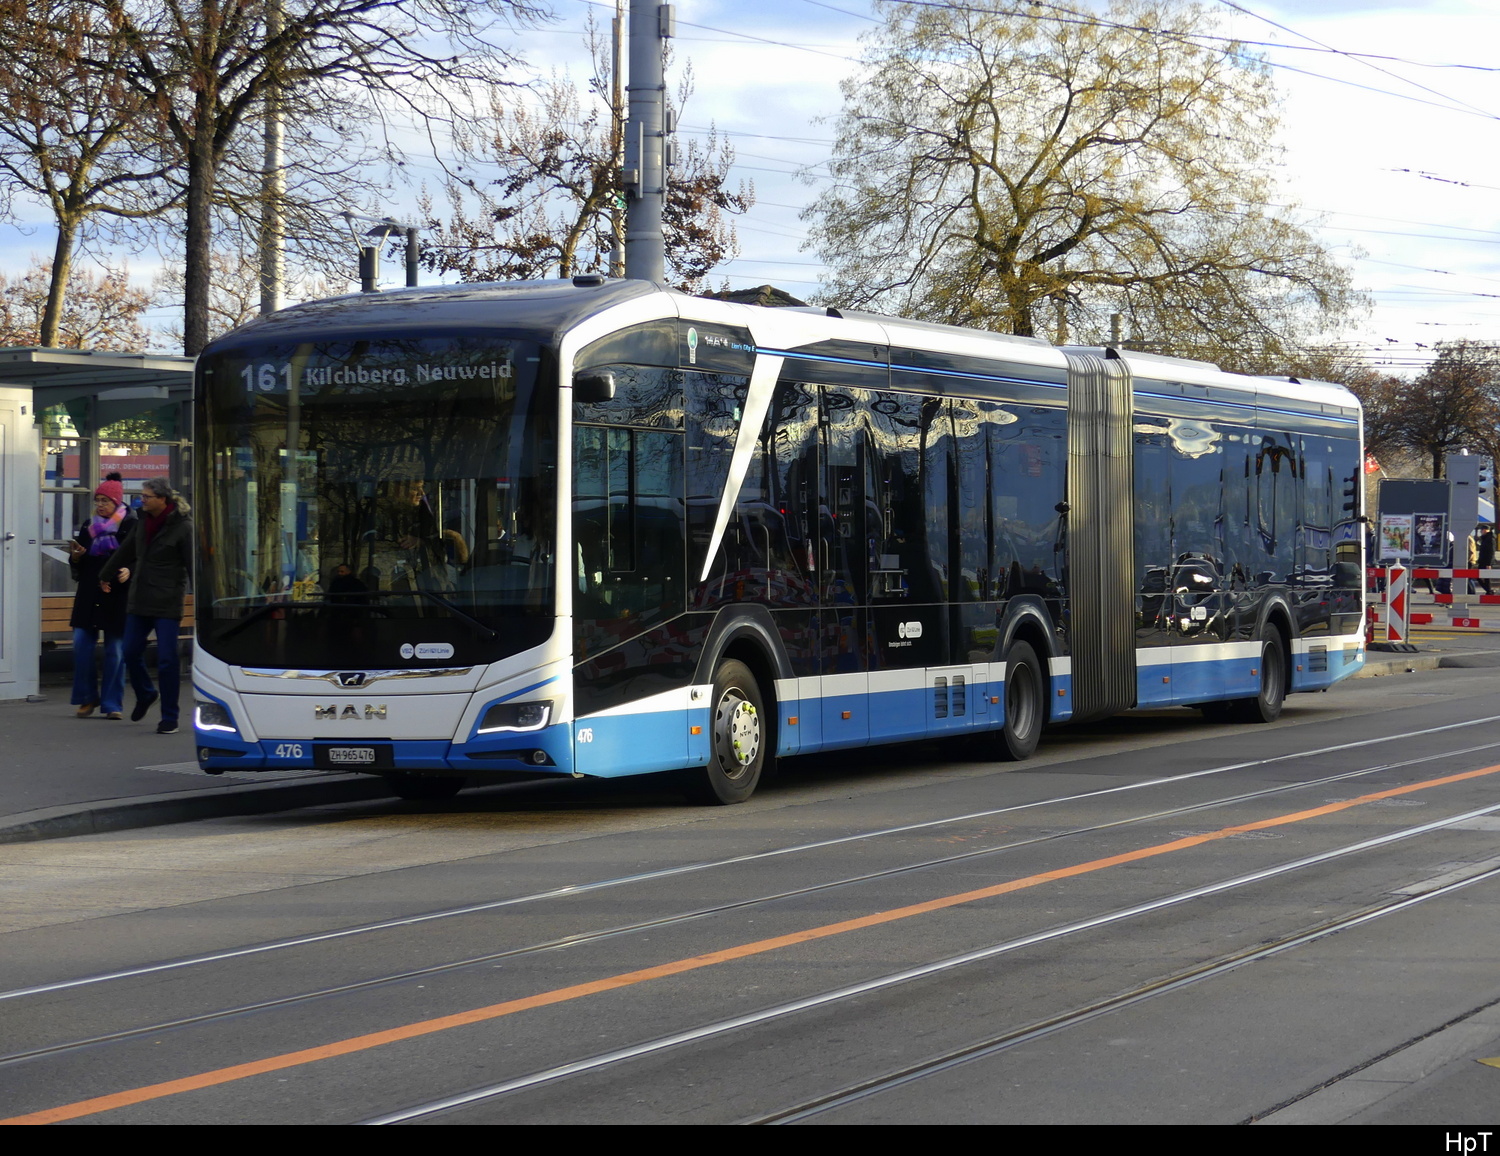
point(1018, 168)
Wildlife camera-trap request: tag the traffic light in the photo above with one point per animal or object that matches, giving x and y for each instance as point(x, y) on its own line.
point(1352, 487)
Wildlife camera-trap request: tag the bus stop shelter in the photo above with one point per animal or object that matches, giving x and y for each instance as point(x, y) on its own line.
point(67, 418)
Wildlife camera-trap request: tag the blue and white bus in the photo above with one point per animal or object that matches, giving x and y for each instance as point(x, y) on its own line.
point(602, 528)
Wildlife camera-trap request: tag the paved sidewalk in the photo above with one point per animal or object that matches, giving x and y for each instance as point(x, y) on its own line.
point(61, 775)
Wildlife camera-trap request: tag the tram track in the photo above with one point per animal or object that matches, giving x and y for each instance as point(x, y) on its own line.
point(991, 1044)
point(593, 937)
point(574, 890)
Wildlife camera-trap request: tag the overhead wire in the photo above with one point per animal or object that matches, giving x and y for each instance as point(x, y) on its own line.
point(1453, 105)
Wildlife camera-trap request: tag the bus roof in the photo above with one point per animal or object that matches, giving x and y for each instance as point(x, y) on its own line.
point(550, 308)
point(542, 307)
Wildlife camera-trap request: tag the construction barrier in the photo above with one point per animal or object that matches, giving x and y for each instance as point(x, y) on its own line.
point(1393, 610)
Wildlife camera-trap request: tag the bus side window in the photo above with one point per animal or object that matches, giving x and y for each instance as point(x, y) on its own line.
point(628, 530)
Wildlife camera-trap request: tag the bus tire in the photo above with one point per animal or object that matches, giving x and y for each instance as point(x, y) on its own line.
point(1025, 704)
point(421, 788)
point(1266, 706)
point(738, 741)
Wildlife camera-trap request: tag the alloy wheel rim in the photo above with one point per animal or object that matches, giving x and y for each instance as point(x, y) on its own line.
point(738, 733)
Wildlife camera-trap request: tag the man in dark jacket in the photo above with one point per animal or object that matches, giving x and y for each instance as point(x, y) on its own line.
point(154, 563)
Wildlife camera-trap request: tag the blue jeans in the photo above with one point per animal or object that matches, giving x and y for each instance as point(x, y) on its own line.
point(110, 693)
point(137, 629)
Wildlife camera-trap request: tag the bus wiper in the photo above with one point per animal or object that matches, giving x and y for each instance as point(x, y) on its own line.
point(485, 632)
point(265, 609)
point(355, 599)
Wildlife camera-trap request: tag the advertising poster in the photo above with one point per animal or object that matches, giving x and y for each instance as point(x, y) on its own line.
point(1395, 538)
point(1429, 542)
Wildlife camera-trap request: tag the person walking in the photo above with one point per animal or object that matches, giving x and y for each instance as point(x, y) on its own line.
point(1484, 553)
point(155, 562)
point(96, 612)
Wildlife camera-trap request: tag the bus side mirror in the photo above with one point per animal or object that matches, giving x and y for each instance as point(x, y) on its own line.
point(592, 386)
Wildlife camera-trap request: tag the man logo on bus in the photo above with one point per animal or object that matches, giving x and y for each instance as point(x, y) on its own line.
point(909, 630)
point(692, 346)
point(332, 712)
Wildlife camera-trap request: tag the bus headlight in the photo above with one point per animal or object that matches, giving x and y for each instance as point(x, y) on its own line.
point(211, 716)
point(516, 716)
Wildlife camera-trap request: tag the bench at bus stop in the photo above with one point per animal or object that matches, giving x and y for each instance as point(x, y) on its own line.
point(57, 635)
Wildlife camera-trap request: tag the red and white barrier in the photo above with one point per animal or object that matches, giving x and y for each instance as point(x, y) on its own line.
point(1394, 609)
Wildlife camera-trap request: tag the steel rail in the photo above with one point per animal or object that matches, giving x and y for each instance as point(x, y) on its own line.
point(704, 865)
point(588, 937)
point(906, 975)
point(1006, 1040)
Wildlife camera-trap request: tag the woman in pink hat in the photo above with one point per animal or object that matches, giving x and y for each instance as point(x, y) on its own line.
point(96, 612)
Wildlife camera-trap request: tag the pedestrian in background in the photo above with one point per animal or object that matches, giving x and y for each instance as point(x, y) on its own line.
point(95, 611)
point(1484, 553)
point(155, 562)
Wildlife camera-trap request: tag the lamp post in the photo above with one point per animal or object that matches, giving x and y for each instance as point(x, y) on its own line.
point(369, 255)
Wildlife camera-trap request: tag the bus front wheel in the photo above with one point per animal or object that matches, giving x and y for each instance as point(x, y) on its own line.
point(1025, 705)
point(739, 741)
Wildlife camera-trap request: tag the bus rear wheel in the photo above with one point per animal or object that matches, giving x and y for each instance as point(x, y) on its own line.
point(1266, 706)
point(419, 788)
point(739, 740)
point(1024, 703)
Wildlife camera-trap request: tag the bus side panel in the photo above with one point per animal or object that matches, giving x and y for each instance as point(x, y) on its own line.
point(1215, 670)
point(845, 710)
point(650, 734)
point(1318, 663)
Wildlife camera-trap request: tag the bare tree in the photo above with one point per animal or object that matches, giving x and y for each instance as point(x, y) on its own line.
point(234, 292)
point(74, 136)
point(548, 212)
point(1384, 400)
point(208, 67)
point(1455, 403)
point(102, 311)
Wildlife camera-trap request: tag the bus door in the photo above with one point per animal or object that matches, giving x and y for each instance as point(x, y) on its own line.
point(843, 546)
point(1199, 578)
point(1153, 560)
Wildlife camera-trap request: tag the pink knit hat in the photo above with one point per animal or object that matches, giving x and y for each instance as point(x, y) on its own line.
point(112, 489)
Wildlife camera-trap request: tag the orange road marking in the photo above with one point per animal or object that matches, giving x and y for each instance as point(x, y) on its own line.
point(677, 967)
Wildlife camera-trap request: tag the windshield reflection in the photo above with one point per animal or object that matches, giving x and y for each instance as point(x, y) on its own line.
point(362, 491)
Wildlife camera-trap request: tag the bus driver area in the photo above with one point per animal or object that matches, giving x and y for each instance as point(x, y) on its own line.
point(688, 536)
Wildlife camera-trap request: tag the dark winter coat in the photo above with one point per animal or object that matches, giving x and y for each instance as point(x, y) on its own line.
point(159, 570)
point(92, 608)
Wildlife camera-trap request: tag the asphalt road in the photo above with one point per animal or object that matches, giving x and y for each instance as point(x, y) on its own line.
point(1156, 920)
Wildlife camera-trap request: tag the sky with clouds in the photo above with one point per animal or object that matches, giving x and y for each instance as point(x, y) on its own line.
point(1395, 153)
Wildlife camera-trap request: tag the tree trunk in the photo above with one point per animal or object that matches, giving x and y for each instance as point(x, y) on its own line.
point(195, 270)
point(57, 288)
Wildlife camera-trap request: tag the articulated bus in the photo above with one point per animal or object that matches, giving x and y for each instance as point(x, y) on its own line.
point(602, 528)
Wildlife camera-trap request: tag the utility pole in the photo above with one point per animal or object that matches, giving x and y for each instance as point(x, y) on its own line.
point(272, 186)
point(646, 151)
point(617, 137)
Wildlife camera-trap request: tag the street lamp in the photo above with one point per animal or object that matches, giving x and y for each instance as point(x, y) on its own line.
point(369, 255)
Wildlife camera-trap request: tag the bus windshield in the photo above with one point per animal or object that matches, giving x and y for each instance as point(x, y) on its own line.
point(369, 503)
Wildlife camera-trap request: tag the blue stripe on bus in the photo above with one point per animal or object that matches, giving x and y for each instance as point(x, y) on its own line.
point(524, 690)
point(618, 745)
